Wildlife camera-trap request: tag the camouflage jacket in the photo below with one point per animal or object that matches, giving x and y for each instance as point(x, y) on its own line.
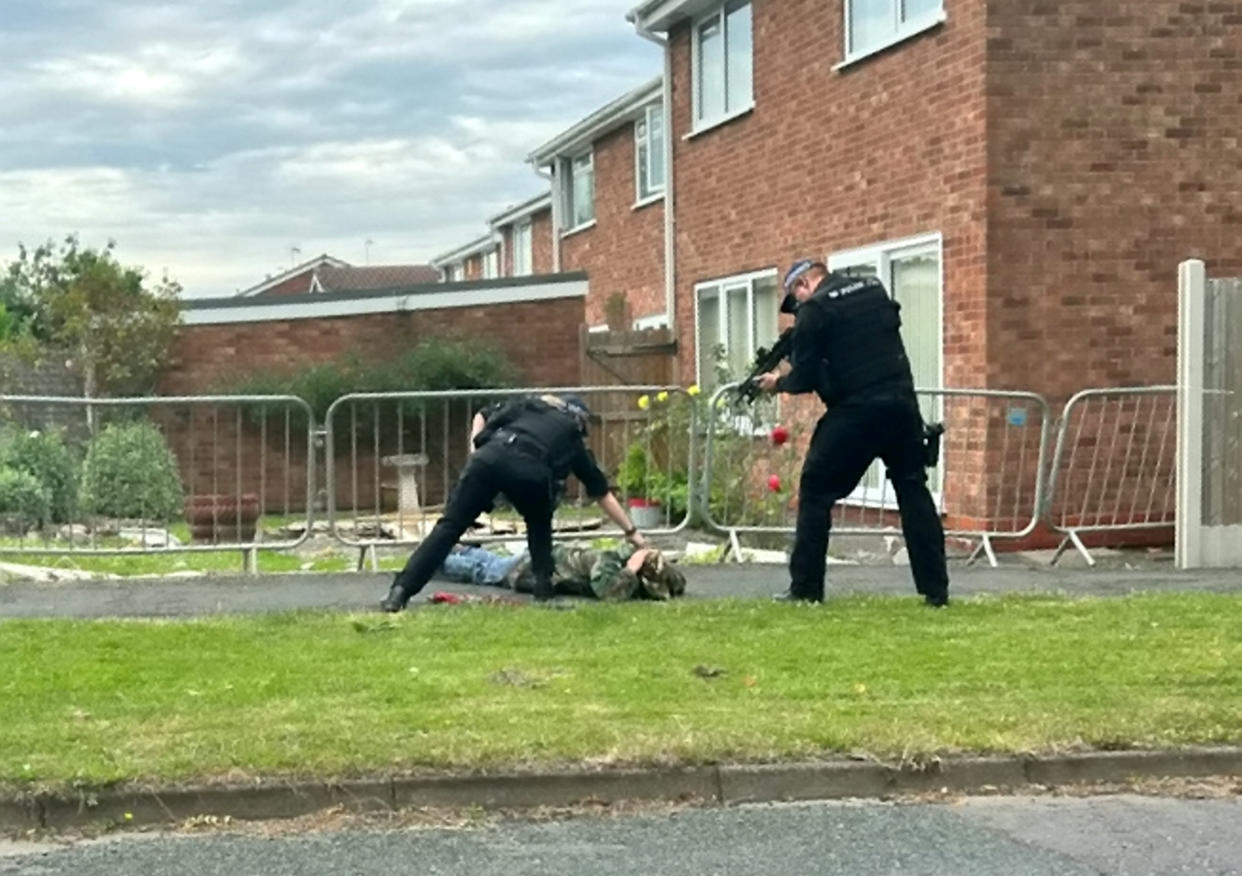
point(602, 574)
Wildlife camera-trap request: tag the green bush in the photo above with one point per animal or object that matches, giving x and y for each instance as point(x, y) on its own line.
point(130, 472)
point(436, 364)
point(23, 501)
point(44, 456)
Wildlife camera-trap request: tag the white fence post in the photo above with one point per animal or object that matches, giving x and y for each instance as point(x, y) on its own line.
point(1191, 328)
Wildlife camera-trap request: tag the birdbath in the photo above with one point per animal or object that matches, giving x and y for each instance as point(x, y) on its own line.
point(408, 466)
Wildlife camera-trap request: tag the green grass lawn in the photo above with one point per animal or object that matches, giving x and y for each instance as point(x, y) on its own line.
point(472, 686)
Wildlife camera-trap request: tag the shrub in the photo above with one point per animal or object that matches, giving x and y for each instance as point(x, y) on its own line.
point(436, 364)
point(23, 501)
point(44, 456)
point(130, 472)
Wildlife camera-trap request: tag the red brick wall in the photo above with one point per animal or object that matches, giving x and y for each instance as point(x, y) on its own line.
point(205, 354)
point(299, 284)
point(890, 147)
point(207, 358)
point(1112, 154)
point(541, 243)
point(624, 252)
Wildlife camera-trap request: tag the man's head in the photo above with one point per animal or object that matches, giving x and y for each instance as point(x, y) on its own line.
point(800, 281)
point(659, 578)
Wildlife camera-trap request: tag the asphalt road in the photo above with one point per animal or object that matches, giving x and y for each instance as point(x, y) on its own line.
point(1018, 836)
point(362, 591)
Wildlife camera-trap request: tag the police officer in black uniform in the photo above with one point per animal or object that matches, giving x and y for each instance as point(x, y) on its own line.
point(523, 448)
point(847, 349)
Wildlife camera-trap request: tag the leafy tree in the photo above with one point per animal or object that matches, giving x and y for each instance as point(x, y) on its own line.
point(116, 327)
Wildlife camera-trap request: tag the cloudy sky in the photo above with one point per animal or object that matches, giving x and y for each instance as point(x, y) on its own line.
point(211, 137)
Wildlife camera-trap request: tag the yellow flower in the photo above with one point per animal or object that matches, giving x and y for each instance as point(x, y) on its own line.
point(644, 402)
point(693, 390)
point(662, 397)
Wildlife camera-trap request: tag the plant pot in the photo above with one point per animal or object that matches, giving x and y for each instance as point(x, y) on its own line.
point(222, 519)
point(646, 513)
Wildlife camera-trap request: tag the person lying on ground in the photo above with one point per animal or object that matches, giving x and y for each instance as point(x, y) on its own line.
point(613, 574)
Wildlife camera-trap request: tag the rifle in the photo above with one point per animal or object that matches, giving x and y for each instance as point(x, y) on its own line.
point(766, 359)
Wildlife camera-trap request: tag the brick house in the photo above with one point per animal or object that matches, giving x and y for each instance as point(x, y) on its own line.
point(608, 178)
point(525, 235)
point(477, 260)
point(327, 274)
point(1025, 177)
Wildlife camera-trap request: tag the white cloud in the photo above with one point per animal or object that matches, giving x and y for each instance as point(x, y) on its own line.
point(208, 139)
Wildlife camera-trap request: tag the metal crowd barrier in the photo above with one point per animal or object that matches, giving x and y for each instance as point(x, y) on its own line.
point(393, 459)
point(1115, 465)
point(235, 460)
point(988, 485)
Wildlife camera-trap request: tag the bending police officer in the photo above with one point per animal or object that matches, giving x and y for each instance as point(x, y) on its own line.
point(847, 348)
point(524, 448)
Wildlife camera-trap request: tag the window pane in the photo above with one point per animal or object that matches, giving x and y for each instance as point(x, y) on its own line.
point(871, 22)
point(522, 250)
point(583, 190)
point(711, 69)
point(655, 148)
point(913, 10)
point(740, 64)
point(642, 158)
point(738, 328)
point(709, 338)
point(767, 306)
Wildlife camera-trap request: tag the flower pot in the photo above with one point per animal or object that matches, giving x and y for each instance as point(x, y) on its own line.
point(222, 519)
point(646, 513)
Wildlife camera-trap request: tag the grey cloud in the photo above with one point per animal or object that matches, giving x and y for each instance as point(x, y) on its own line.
point(210, 137)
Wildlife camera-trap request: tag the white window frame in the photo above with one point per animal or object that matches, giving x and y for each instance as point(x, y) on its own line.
point(721, 284)
point(491, 264)
point(577, 224)
point(642, 160)
point(523, 248)
point(699, 123)
point(902, 30)
point(881, 257)
point(456, 272)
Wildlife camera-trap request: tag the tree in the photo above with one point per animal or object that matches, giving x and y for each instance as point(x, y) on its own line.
point(117, 329)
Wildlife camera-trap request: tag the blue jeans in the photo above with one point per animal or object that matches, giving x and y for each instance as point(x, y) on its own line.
point(474, 565)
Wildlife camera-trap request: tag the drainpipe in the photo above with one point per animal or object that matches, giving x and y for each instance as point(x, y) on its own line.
point(554, 183)
point(670, 239)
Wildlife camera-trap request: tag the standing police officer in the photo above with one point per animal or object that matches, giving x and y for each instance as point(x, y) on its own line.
point(847, 348)
point(524, 448)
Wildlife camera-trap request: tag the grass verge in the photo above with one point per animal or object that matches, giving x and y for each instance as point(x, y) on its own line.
point(93, 702)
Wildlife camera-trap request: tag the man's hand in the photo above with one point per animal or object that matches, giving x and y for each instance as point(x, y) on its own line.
point(636, 539)
point(767, 382)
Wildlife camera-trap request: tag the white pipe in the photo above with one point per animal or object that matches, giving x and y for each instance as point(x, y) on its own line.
point(554, 182)
point(670, 239)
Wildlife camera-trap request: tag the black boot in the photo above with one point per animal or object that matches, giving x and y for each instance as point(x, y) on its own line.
point(544, 591)
point(396, 599)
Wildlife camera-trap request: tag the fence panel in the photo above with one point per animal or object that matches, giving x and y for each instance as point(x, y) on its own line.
point(1115, 464)
point(393, 458)
point(988, 485)
point(158, 474)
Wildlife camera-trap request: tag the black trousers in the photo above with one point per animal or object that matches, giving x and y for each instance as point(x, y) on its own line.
point(847, 439)
point(492, 469)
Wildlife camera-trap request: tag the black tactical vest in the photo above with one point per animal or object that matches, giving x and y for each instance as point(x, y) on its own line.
point(537, 428)
point(862, 347)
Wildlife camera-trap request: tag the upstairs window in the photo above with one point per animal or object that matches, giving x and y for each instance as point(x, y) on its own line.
point(723, 63)
point(649, 152)
point(871, 25)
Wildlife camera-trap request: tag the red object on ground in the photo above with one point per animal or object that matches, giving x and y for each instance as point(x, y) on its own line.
point(774, 483)
point(779, 435)
point(445, 596)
